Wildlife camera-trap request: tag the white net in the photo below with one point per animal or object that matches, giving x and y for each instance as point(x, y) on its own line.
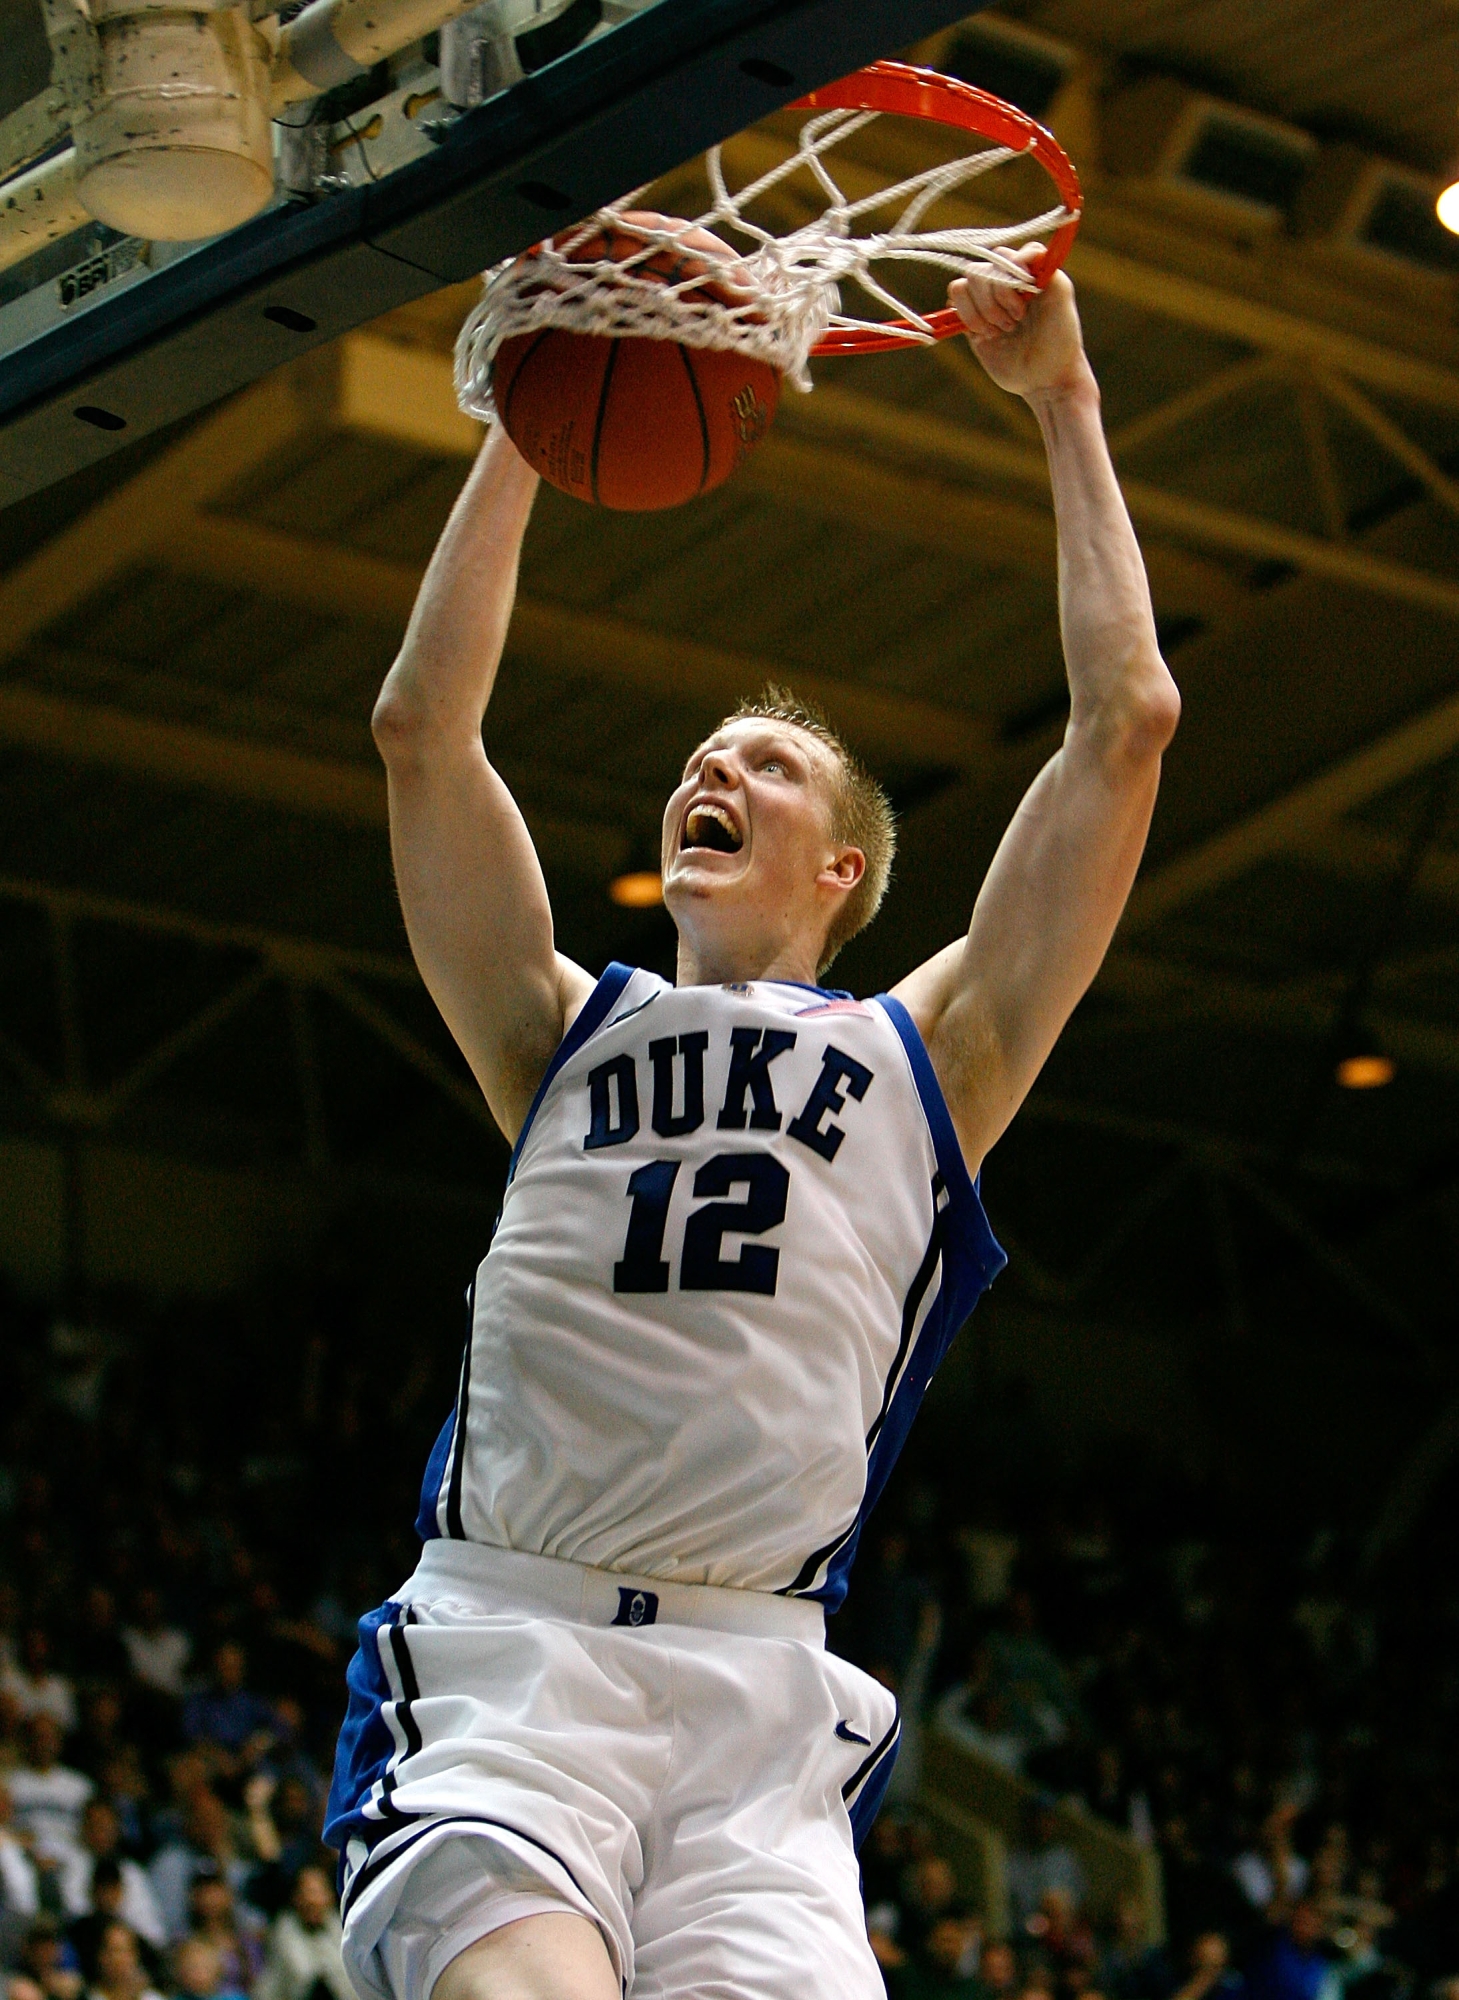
point(775, 299)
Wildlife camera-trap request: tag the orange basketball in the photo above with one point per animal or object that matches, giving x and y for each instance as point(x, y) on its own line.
point(630, 423)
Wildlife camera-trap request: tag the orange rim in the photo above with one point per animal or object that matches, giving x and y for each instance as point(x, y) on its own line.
point(945, 100)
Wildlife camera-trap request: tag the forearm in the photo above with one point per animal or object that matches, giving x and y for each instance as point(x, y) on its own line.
point(1116, 676)
point(443, 676)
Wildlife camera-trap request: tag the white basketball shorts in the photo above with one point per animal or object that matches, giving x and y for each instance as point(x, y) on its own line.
point(685, 1766)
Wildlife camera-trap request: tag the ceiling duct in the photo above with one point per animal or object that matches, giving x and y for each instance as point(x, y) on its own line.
point(1234, 166)
point(1376, 210)
point(1015, 63)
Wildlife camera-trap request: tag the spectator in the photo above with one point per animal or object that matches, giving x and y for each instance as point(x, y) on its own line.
point(206, 1842)
point(1361, 1972)
point(946, 1967)
point(929, 1891)
point(100, 1845)
point(49, 1961)
point(85, 1933)
point(285, 1827)
point(36, 1688)
point(1026, 1671)
point(893, 1601)
point(120, 1974)
point(975, 1714)
point(1327, 1878)
point(19, 1884)
point(989, 1553)
point(1272, 1874)
point(1201, 1895)
point(997, 1972)
point(97, 1652)
point(304, 1960)
point(883, 1857)
point(1211, 1973)
point(1294, 1966)
point(197, 1972)
point(100, 1737)
point(158, 1652)
point(1131, 1968)
point(121, 1782)
point(233, 1727)
point(881, 1936)
point(1062, 1934)
point(47, 1795)
point(215, 1920)
point(1045, 1862)
point(1109, 1796)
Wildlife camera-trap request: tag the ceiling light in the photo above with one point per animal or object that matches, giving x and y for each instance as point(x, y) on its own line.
point(641, 890)
point(1447, 206)
point(1364, 1067)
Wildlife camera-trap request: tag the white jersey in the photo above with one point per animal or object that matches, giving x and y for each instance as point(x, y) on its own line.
point(737, 1238)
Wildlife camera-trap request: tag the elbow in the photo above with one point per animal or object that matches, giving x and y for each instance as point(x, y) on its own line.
point(1157, 712)
point(397, 724)
point(1140, 729)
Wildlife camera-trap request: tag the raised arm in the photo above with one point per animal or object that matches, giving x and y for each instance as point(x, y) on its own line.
point(470, 884)
point(992, 1005)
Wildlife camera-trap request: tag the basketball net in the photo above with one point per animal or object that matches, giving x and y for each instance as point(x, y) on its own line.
point(776, 300)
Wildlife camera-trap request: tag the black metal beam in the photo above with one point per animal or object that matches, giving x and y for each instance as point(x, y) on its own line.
point(615, 113)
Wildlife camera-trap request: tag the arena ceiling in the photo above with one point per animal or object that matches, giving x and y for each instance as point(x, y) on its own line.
point(199, 946)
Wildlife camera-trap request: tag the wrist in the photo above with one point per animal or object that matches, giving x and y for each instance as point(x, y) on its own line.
point(1075, 388)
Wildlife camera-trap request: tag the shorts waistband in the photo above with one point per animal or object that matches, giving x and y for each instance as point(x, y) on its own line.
point(489, 1579)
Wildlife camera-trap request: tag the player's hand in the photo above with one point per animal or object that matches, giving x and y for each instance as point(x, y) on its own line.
point(1029, 342)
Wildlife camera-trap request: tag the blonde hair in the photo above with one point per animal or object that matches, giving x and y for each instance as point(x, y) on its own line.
point(861, 812)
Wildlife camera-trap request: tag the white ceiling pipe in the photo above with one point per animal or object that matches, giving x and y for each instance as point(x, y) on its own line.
point(39, 207)
point(334, 41)
point(330, 43)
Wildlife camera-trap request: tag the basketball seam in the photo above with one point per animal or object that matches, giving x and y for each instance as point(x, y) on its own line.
point(699, 406)
point(516, 382)
point(601, 419)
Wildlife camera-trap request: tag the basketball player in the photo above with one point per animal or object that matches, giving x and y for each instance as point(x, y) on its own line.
point(595, 1744)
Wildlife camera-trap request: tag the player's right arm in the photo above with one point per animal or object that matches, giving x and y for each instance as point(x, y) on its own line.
point(471, 887)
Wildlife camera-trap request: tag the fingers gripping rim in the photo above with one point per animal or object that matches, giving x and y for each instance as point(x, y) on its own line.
point(945, 100)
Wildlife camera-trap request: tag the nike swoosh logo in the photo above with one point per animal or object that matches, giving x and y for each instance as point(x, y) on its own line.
point(850, 1736)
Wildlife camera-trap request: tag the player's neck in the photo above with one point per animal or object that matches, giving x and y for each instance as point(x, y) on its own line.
point(704, 963)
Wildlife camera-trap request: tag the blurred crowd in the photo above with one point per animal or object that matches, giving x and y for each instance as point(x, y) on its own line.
point(1268, 1714)
point(195, 1507)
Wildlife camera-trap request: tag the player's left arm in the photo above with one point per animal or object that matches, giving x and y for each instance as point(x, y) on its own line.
point(991, 1006)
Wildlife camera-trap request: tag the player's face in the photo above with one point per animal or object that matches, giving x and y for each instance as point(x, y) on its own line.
point(750, 869)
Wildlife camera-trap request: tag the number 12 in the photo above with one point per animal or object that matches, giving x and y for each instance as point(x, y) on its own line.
point(702, 1267)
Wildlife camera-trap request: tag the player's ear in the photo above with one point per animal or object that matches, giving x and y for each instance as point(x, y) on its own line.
point(845, 868)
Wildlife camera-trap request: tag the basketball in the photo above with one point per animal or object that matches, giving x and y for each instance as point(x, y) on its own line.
point(633, 423)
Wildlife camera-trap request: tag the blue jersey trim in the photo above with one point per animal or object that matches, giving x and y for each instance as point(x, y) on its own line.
point(805, 986)
point(595, 1011)
point(365, 1743)
point(971, 1258)
point(976, 1254)
point(427, 1525)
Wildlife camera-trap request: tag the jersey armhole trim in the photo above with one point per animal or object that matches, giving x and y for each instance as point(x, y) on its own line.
point(594, 1011)
point(971, 1234)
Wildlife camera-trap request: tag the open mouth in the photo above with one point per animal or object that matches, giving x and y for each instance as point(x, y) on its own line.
point(711, 826)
